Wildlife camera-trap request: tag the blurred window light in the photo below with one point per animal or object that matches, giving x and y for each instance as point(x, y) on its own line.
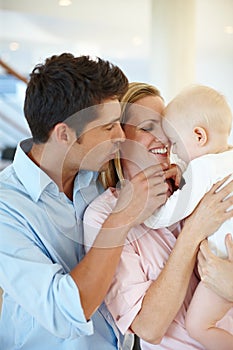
point(137, 41)
point(228, 29)
point(65, 2)
point(14, 46)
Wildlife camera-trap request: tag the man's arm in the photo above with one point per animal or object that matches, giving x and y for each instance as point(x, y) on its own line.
point(137, 200)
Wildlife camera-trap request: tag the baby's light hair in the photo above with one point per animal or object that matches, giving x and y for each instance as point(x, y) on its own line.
point(203, 106)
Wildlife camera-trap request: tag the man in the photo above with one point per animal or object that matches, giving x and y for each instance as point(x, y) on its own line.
point(52, 294)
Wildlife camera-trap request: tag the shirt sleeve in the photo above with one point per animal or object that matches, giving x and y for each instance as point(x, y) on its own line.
point(49, 293)
point(199, 177)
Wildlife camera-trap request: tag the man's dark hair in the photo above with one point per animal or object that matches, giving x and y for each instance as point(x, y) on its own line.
point(65, 85)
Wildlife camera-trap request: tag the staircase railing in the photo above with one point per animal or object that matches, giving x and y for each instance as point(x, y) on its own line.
point(13, 72)
point(12, 123)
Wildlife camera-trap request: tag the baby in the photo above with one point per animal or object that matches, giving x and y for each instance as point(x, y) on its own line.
point(198, 122)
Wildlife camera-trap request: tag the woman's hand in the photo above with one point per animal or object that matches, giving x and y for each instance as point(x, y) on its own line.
point(217, 273)
point(211, 212)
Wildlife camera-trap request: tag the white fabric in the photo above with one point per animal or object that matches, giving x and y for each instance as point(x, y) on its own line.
point(201, 174)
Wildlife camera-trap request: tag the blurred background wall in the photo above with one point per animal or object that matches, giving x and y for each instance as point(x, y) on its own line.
point(169, 43)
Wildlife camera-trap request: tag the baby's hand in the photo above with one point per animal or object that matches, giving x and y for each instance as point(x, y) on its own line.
point(174, 173)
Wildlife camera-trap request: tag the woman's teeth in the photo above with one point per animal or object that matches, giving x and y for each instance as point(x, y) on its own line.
point(159, 150)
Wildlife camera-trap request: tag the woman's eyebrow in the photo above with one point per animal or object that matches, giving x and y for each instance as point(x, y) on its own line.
point(154, 121)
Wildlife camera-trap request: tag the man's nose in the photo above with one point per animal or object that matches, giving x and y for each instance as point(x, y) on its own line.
point(163, 138)
point(119, 135)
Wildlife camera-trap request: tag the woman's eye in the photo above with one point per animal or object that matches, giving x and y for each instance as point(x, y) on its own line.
point(147, 129)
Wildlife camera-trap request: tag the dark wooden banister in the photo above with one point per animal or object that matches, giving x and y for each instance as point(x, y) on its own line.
point(11, 71)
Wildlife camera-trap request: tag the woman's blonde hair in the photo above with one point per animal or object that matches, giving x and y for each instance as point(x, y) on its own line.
point(135, 92)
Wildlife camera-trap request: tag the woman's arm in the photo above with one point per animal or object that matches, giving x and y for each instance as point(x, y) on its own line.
point(165, 296)
point(217, 273)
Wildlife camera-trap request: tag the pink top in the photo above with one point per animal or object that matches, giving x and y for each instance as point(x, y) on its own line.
point(144, 256)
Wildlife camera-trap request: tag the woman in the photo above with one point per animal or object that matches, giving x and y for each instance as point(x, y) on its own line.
point(154, 282)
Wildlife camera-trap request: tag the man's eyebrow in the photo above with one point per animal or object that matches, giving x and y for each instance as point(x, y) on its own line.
point(113, 121)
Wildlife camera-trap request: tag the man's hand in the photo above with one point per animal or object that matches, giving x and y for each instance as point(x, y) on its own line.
point(141, 196)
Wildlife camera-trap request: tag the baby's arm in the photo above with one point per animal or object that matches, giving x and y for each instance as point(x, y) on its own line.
point(205, 310)
point(199, 177)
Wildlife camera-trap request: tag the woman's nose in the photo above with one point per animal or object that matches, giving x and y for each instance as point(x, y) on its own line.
point(162, 138)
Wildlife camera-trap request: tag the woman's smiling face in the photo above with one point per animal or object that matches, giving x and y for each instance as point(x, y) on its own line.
point(143, 127)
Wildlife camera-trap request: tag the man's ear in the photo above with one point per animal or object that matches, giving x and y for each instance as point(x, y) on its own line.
point(200, 135)
point(62, 133)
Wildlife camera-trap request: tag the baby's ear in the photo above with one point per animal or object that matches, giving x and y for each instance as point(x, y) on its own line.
point(200, 135)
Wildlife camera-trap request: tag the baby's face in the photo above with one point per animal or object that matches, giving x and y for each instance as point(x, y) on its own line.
point(180, 137)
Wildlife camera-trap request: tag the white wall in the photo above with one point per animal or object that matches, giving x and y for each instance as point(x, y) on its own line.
point(195, 34)
point(214, 58)
point(0, 300)
point(192, 42)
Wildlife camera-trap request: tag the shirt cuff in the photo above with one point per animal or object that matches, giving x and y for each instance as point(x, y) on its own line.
point(72, 308)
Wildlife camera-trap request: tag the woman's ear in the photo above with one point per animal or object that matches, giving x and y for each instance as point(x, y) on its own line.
point(200, 135)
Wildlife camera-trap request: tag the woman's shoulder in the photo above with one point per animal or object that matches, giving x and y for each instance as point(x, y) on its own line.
point(101, 206)
point(107, 200)
point(95, 215)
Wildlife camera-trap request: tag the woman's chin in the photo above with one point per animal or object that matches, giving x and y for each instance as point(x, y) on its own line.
point(162, 159)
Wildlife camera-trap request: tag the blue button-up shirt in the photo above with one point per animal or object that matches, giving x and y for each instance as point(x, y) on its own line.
point(40, 242)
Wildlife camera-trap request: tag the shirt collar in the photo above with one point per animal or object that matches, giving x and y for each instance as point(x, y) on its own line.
point(32, 177)
point(35, 180)
point(84, 178)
